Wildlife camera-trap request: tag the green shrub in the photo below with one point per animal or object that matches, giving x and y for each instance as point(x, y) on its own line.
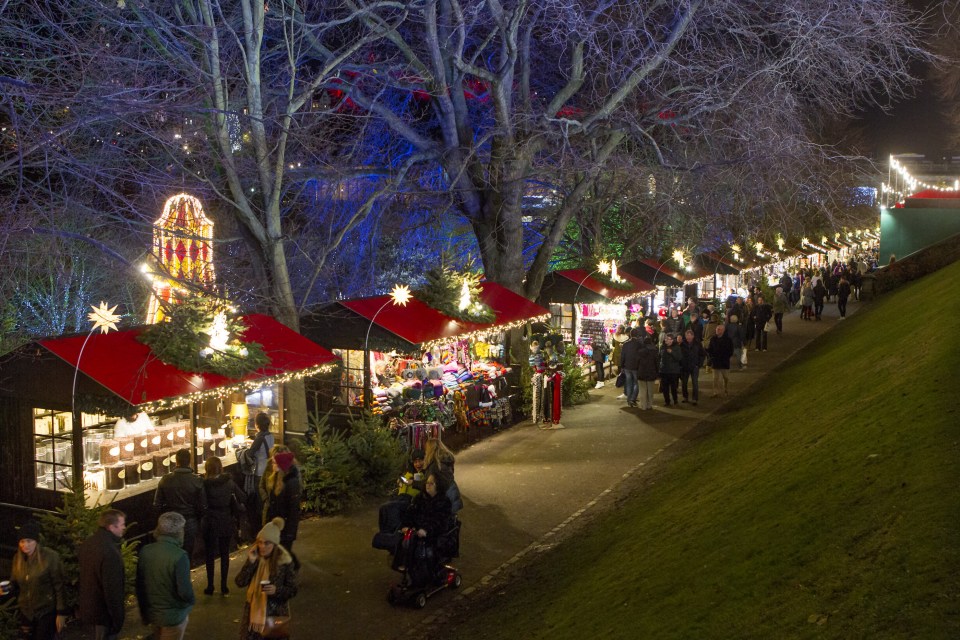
point(575, 384)
point(340, 467)
point(9, 628)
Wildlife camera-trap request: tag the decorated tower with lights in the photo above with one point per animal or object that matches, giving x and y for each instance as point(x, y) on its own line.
point(182, 256)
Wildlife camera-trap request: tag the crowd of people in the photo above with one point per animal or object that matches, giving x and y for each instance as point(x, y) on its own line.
point(670, 350)
point(212, 507)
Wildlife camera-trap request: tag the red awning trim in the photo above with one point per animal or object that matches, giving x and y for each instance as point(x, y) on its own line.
point(129, 369)
point(664, 268)
point(581, 278)
point(422, 325)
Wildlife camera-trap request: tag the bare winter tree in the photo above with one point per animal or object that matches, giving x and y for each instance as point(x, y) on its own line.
point(515, 87)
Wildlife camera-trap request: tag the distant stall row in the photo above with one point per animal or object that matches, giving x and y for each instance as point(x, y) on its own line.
point(104, 410)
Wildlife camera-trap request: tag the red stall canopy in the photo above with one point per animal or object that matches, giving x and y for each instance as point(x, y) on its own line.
point(580, 277)
point(417, 323)
point(127, 367)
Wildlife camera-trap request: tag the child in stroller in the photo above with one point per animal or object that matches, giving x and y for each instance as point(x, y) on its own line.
point(429, 538)
point(409, 486)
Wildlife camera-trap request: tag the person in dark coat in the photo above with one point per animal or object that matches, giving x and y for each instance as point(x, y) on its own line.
point(762, 314)
point(599, 356)
point(164, 591)
point(36, 580)
point(648, 370)
point(260, 449)
point(102, 576)
point(720, 350)
point(843, 294)
point(224, 500)
point(280, 491)
point(819, 293)
point(693, 357)
point(671, 358)
point(430, 517)
point(182, 492)
point(629, 362)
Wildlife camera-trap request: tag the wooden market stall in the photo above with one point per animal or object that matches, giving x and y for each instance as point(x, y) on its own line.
point(104, 410)
point(586, 308)
point(399, 355)
point(667, 283)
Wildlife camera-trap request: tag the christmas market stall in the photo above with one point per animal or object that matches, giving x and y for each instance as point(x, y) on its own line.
point(667, 282)
point(424, 367)
point(725, 277)
point(106, 409)
point(587, 307)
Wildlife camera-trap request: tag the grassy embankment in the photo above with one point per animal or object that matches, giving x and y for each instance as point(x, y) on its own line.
point(826, 507)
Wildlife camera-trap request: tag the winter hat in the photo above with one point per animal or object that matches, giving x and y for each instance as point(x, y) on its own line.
point(416, 454)
point(284, 460)
point(29, 530)
point(271, 531)
point(171, 524)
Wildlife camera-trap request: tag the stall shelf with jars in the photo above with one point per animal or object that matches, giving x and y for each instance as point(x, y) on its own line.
point(405, 360)
point(103, 410)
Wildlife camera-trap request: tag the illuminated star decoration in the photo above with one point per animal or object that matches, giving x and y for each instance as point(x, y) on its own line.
point(103, 318)
point(604, 267)
point(401, 294)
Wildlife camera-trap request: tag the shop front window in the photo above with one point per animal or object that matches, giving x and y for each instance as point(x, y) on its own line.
point(561, 315)
point(53, 449)
point(351, 376)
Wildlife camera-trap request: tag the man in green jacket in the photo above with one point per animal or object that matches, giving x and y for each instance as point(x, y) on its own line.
point(164, 591)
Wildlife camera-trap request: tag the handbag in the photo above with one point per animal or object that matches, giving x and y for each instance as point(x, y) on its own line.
point(621, 379)
point(276, 627)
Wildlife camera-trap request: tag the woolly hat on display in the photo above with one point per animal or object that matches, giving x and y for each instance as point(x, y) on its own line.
point(284, 460)
point(271, 531)
point(29, 530)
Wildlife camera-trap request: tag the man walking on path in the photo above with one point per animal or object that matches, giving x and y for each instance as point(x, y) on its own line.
point(693, 357)
point(182, 492)
point(102, 576)
point(164, 591)
point(648, 370)
point(720, 350)
point(843, 294)
point(629, 361)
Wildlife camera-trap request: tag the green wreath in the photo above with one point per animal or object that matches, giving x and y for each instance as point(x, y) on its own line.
point(445, 288)
point(622, 285)
point(183, 340)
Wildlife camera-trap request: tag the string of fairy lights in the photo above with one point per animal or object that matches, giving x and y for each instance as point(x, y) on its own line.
point(899, 176)
point(245, 386)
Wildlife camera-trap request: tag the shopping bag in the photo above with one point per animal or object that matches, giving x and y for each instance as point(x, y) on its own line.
point(621, 379)
point(743, 357)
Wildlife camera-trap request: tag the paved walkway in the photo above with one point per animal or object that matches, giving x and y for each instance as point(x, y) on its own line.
point(520, 487)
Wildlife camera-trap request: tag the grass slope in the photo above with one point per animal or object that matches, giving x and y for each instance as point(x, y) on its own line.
point(827, 507)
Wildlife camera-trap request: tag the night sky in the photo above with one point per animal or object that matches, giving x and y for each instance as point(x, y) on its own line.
point(915, 125)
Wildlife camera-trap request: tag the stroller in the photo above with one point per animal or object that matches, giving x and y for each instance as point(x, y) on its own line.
point(424, 566)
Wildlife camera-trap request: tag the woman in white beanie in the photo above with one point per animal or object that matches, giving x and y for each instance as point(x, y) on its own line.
point(271, 581)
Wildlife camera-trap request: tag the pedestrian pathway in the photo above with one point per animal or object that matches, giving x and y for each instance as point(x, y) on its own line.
point(520, 488)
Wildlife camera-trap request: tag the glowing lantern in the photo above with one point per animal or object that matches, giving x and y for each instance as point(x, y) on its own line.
point(182, 252)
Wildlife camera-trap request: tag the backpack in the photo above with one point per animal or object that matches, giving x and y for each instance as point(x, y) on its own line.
point(247, 461)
